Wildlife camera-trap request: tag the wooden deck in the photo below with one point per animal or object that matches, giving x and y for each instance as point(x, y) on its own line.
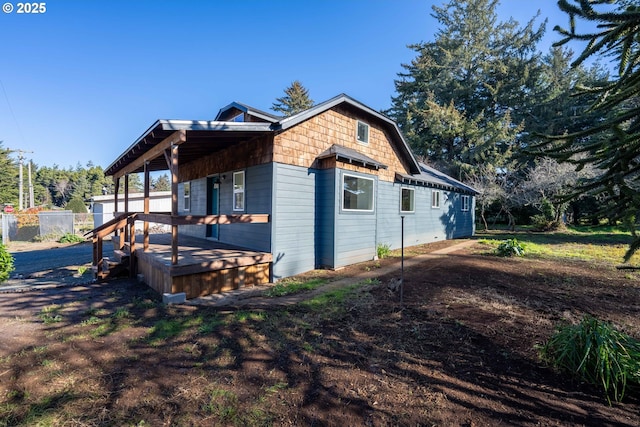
point(204, 267)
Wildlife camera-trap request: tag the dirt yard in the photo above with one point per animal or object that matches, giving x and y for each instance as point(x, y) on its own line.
point(461, 352)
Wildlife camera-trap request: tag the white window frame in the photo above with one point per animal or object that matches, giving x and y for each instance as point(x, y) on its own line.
point(239, 190)
point(186, 192)
point(412, 199)
point(373, 193)
point(466, 202)
point(367, 127)
point(436, 199)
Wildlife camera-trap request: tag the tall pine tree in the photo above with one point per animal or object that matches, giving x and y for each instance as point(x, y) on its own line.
point(296, 99)
point(458, 102)
point(554, 110)
point(612, 142)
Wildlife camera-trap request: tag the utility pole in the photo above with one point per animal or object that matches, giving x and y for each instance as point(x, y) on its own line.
point(20, 179)
point(31, 198)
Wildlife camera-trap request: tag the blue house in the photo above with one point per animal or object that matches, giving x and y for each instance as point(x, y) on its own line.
point(320, 189)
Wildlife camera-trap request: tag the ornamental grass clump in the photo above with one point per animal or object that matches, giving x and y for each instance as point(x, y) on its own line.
point(510, 247)
point(6, 263)
point(597, 353)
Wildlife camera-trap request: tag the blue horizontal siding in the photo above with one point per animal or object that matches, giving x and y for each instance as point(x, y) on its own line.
point(258, 196)
point(425, 224)
point(294, 204)
point(355, 232)
point(198, 201)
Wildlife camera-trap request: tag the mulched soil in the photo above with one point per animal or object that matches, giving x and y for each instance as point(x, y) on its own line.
point(459, 351)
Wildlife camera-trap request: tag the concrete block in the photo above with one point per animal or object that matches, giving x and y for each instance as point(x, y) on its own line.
point(178, 298)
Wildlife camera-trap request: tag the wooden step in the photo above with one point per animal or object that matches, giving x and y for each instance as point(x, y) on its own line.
point(111, 269)
point(122, 256)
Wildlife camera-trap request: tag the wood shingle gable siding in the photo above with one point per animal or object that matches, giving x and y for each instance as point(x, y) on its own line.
point(239, 156)
point(300, 145)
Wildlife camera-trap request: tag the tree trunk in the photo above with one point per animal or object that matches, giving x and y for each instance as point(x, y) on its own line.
point(484, 220)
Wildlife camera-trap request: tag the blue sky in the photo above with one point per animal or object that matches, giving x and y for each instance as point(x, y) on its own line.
point(83, 80)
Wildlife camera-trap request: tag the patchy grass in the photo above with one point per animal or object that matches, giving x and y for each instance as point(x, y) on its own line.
point(224, 407)
point(331, 302)
point(165, 329)
point(604, 245)
point(51, 314)
point(208, 324)
point(294, 286)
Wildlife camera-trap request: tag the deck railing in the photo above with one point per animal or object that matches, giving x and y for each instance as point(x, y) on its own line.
point(124, 226)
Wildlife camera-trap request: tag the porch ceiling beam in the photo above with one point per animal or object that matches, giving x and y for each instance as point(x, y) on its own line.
point(176, 138)
point(204, 219)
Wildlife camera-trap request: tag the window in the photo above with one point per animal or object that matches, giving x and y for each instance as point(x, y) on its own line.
point(435, 199)
point(187, 196)
point(357, 193)
point(362, 132)
point(406, 200)
point(238, 191)
point(465, 203)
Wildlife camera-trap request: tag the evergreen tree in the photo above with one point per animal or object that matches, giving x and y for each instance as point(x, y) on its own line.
point(81, 186)
point(161, 183)
point(554, 110)
point(296, 99)
point(460, 101)
point(40, 192)
point(95, 175)
point(612, 142)
point(8, 178)
point(76, 205)
point(136, 184)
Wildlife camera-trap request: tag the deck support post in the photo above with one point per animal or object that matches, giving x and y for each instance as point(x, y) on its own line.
point(174, 203)
point(116, 184)
point(146, 206)
point(126, 210)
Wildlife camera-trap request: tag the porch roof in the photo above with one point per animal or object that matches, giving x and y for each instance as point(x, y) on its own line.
point(203, 137)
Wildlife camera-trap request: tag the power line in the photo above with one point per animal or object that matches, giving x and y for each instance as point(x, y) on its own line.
point(6, 97)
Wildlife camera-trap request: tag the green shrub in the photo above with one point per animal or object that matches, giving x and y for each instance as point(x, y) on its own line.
point(76, 205)
point(383, 250)
point(542, 223)
point(546, 220)
point(595, 352)
point(6, 263)
point(510, 247)
point(71, 238)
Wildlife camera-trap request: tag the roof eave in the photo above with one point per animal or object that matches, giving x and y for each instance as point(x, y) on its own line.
point(418, 180)
point(189, 125)
point(271, 118)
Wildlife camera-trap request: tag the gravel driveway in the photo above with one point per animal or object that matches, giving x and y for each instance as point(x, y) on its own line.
point(50, 263)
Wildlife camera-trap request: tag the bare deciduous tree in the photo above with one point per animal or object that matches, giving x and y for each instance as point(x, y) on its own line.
point(549, 182)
